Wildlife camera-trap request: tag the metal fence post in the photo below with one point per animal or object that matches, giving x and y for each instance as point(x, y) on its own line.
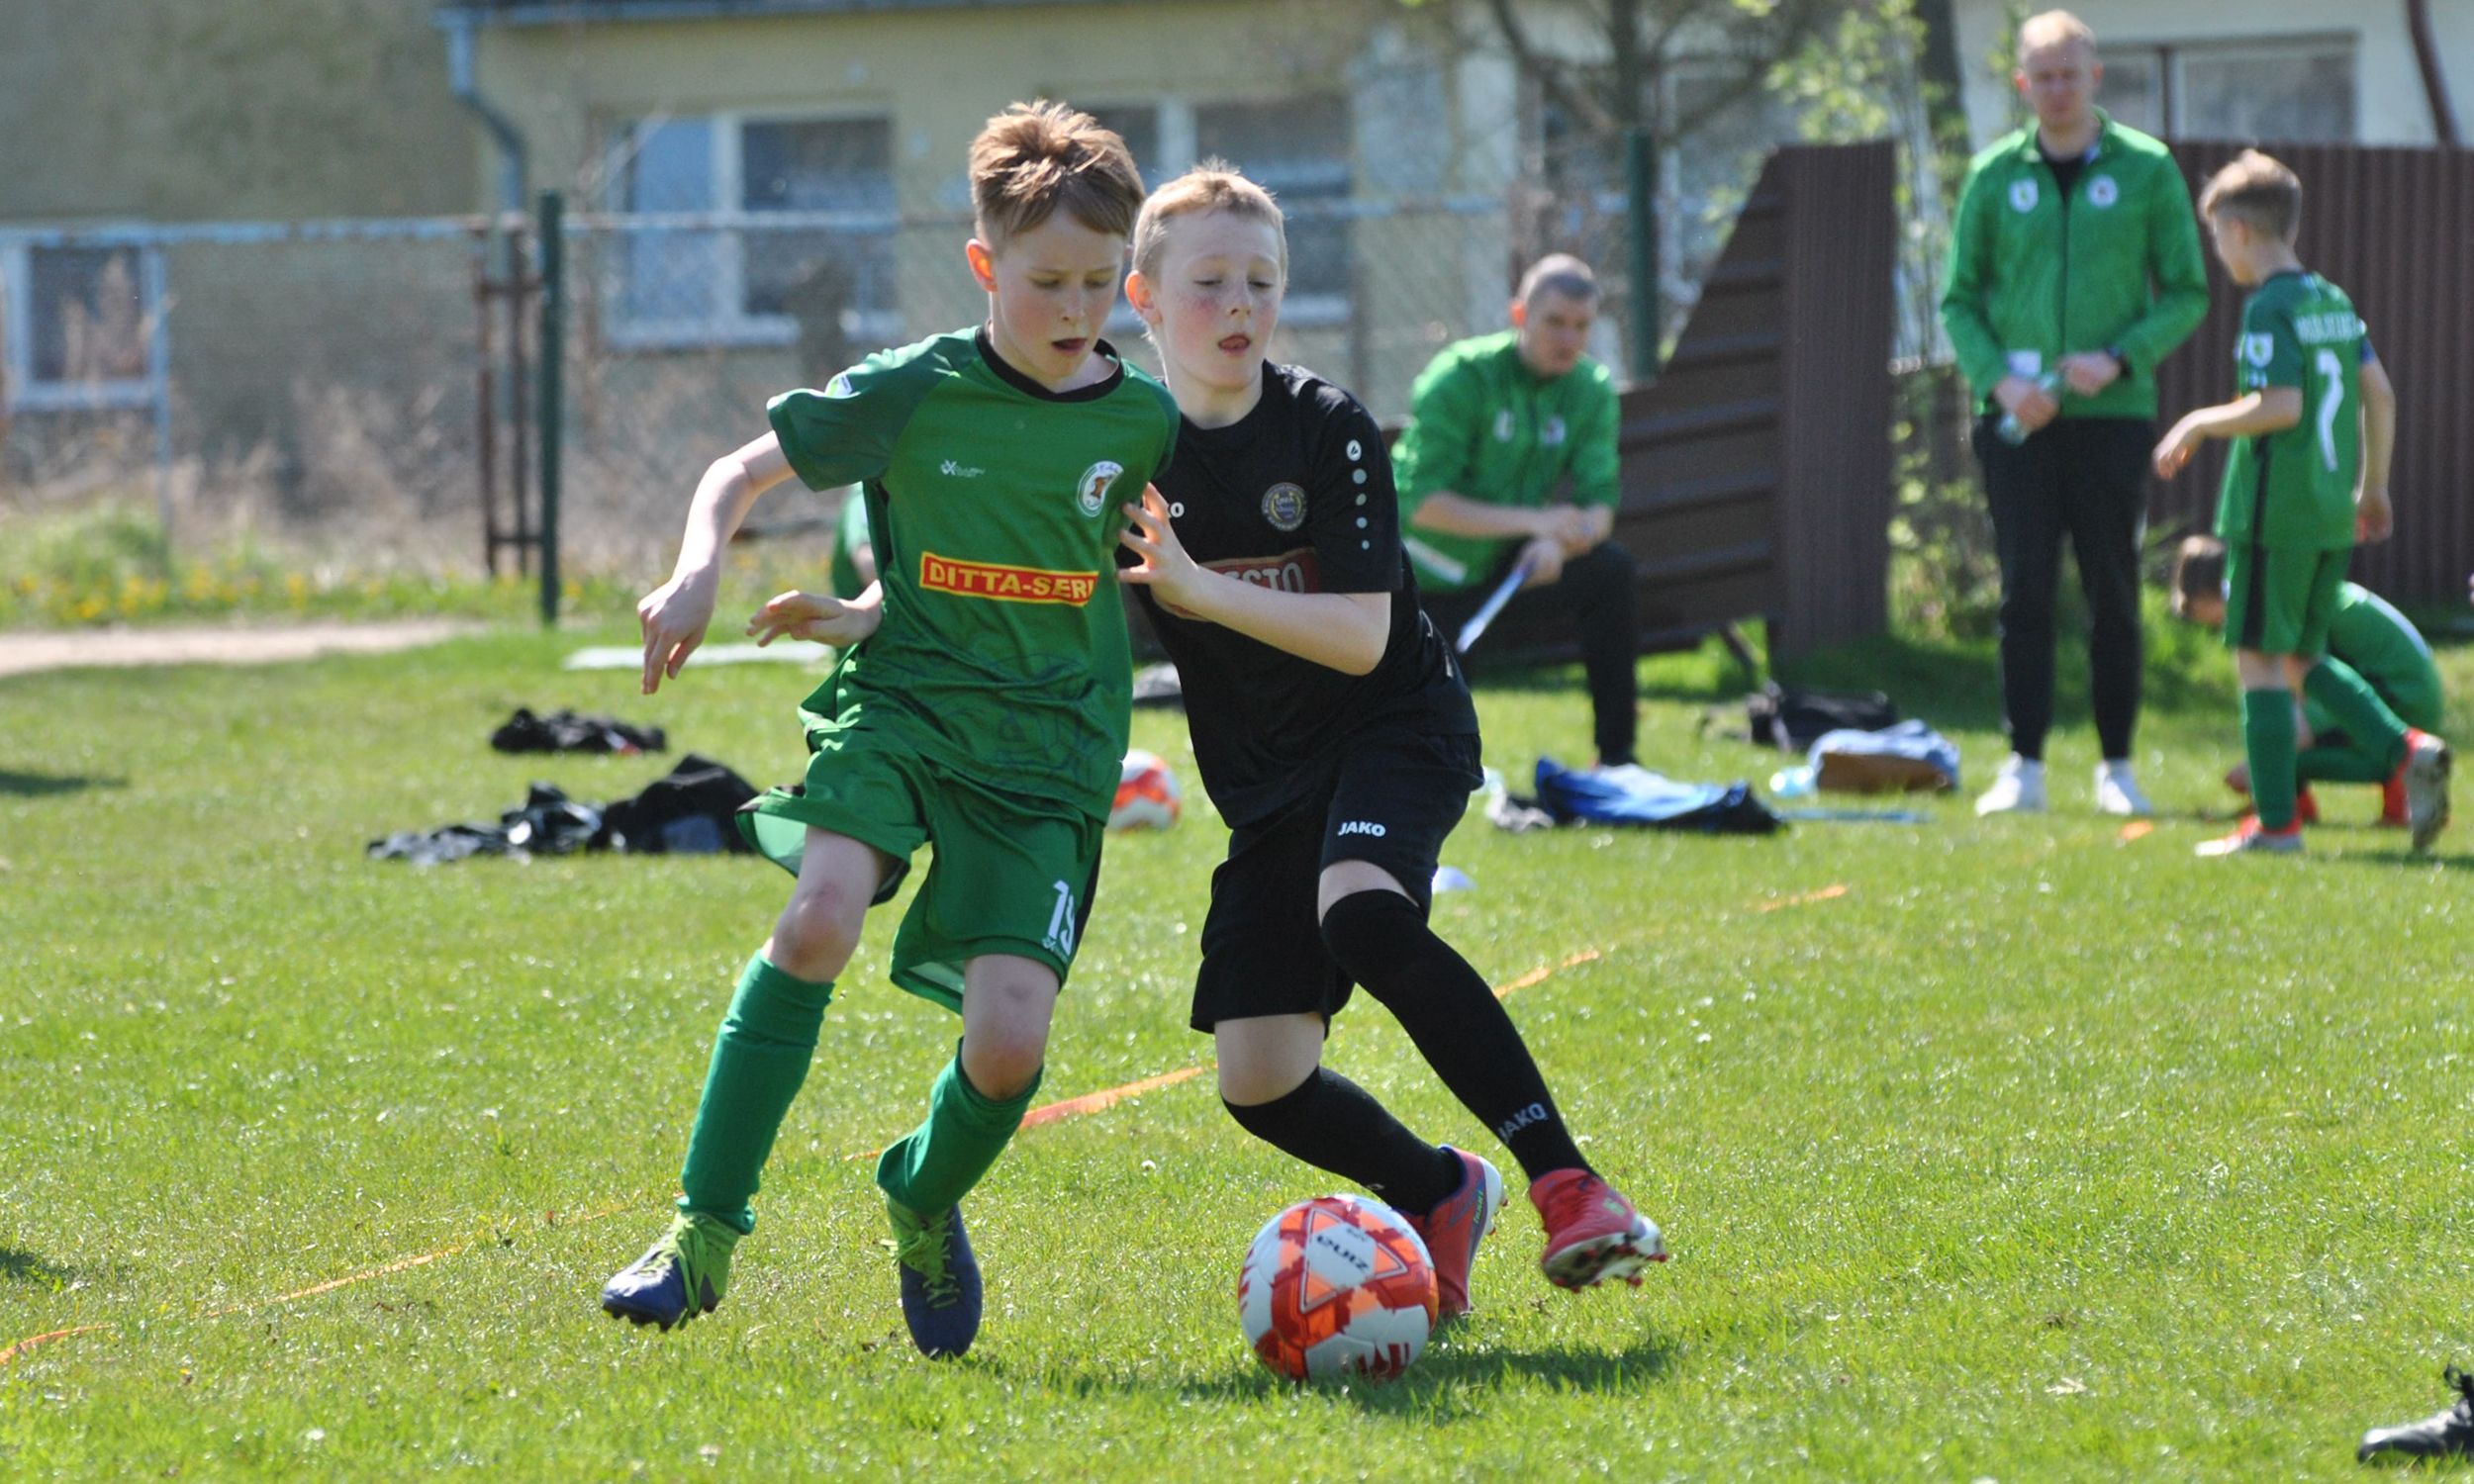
point(554, 358)
point(1641, 209)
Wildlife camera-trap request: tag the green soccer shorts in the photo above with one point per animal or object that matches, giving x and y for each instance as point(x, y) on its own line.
point(1007, 875)
point(2280, 600)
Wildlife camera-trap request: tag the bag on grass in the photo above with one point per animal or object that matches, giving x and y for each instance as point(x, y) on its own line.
point(1659, 803)
point(685, 811)
point(1790, 718)
point(1909, 758)
point(569, 731)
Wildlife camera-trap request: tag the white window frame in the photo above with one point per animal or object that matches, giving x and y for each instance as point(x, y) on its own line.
point(16, 349)
point(2172, 56)
point(1179, 147)
point(727, 324)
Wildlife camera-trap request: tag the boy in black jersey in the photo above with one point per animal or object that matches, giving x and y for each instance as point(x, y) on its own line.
point(1337, 738)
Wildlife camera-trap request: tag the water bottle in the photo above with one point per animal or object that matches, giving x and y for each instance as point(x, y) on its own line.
point(2010, 430)
point(1793, 782)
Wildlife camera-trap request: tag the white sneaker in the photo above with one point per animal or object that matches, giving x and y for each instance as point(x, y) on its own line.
point(2018, 788)
point(2117, 792)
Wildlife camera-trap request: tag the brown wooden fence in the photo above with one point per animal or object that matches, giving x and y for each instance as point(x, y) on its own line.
point(2394, 228)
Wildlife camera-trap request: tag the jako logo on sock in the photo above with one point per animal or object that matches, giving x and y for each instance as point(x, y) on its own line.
point(1534, 1113)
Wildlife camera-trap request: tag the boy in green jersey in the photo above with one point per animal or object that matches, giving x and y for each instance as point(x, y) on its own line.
point(2312, 436)
point(2368, 640)
point(987, 715)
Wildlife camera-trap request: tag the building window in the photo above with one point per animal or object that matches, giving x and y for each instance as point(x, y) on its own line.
point(719, 272)
point(81, 322)
point(2299, 90)
point(1297, 149)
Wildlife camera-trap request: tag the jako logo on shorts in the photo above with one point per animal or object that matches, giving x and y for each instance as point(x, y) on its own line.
point(1362, 827)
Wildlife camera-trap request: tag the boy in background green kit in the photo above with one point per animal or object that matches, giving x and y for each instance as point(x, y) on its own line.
point(987, 715)
point(2312, 435)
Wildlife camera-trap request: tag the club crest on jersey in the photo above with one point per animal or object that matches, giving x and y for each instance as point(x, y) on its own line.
point(1503, 426)
point(2023, 195)
point(1552, 434)
point(2102, 192)
point(1284, 504)
point(2259, 350)
point(1091, 493)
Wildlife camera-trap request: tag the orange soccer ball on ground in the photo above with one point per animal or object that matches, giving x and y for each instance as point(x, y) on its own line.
point(1336, 1287)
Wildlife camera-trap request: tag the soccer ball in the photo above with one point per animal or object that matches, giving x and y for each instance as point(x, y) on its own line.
point(1147, 795)
point(1335, 1287)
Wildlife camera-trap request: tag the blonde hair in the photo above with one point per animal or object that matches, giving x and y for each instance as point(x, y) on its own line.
point(1212, 186)
point(2053, 27)
point(1035, 160)
point(2257, 189)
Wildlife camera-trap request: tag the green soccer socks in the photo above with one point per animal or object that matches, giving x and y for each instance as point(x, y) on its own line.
point(2269, 741)
point(2376, 732)
point(758, 1061)
point(937, 1164)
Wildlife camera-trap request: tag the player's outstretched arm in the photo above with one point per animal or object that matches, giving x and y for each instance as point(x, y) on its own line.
point(675, 616)
point(2248, 416)
point(1346, 631)
point(821, 616)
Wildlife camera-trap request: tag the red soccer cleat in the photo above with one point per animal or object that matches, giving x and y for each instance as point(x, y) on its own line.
point(1592, 1233)
point(1453, 1230)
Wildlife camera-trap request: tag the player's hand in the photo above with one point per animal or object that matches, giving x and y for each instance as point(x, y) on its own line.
point(1167, 570)
point(2089, 372)
point(2374, 519)
point(2024, 399)
point(674, 617)
point(1544, 556)
point(813, 615)
point(2175, 450)
point(1568, 526)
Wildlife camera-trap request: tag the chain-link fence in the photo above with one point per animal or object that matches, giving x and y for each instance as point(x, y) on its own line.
point(365, 388)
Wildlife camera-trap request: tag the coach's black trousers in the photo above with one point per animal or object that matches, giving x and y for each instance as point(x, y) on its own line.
point(2084, 479)
point(1595, 598)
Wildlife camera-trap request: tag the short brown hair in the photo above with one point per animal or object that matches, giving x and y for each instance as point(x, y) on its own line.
point(1212, 186)
point(1038, 159)
point(2257, 189)
point(1559, 273)
point(2199, 568)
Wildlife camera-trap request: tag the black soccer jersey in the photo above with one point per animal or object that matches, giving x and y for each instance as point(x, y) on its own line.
point(1297, 496)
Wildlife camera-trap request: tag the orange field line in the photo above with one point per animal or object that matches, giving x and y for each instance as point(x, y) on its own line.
point(33, 1340)
point(1055, 1112)
point(1831, 892)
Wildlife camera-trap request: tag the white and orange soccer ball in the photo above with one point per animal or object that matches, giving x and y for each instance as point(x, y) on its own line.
point(1147, 794)
point(1337, 1287)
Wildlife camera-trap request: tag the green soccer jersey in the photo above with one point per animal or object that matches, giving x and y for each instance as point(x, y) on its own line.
point(2384, 647)
point(995, 507)
point(1483, 425)
point(850, 532)
point(2295, 489)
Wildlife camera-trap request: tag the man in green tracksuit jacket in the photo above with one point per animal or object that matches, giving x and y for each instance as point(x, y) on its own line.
point(2074, 269)
point(1499, 426)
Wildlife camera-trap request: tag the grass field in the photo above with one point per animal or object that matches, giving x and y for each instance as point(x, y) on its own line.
point(2015, 1149)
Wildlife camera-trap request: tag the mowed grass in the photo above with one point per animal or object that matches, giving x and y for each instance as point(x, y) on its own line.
point(2011, 1150)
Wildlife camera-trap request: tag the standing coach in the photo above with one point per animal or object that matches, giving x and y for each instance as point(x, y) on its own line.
point(2074, 269)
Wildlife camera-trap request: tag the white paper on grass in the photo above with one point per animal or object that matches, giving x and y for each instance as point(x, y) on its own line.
point(619, 657)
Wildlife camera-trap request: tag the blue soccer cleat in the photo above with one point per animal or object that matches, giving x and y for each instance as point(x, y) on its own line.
point(940, 1281)
point(682, 1275)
